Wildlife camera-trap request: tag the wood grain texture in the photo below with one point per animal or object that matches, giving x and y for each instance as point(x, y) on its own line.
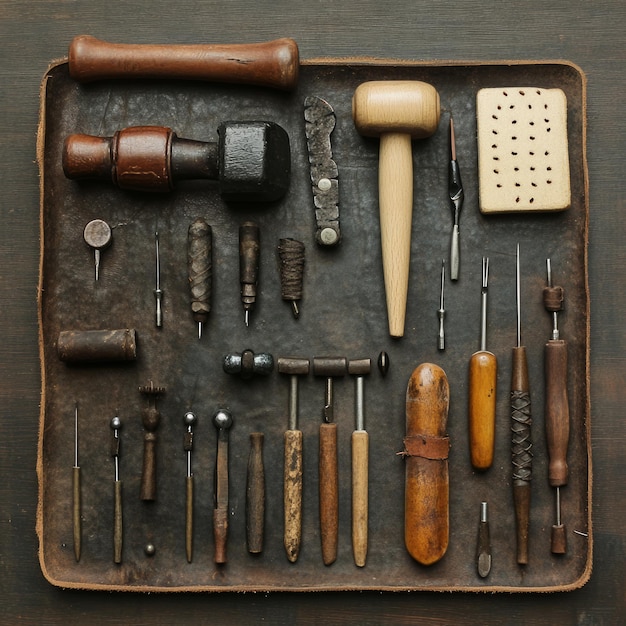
point(589, 34)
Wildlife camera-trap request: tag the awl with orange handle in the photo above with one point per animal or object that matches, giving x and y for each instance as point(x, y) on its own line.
point(483, 377)
point(556, 408)
point(426, 446)
point(521, 441)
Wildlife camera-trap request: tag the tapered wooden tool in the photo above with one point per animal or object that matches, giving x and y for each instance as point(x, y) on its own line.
point(397, 112)
point(426, 516)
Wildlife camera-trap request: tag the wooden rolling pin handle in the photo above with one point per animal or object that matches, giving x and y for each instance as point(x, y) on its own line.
point(269, 64)
point(329, 492)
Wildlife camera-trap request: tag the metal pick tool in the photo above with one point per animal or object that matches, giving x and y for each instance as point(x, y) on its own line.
point(97, 235)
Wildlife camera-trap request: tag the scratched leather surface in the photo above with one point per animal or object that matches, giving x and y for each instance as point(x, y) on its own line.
point(342, 313)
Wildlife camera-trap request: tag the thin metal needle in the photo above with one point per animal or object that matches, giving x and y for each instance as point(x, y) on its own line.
point(441, 343)
point(158, 293)
point(519, 304)
point(77, 524)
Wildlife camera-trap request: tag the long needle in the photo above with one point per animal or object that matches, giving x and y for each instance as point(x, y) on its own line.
point(441, 343)
point(76, 491)
point(158, 293)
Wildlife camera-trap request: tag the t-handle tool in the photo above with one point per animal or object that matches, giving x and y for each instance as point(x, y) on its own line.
point(359, 368)
point(76, 500)
point(521, 442)
point(249, 252)
point(292, 477)
point(97, 235)
point(397, 111)
point(223, 421)
point(556, 408)
point(455, 189)
point(189, 419)
point(329, 368)
point(483, 378)
point(116, 424)
point(200, 269)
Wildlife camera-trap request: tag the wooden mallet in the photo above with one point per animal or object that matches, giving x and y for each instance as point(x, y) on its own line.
point(397, 112)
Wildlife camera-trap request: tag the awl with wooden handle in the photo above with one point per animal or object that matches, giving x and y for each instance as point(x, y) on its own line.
point(483, 379)
point(359, 368)
point(268, 64)
point(426, 446)
point(521, 440)
point(556, 408)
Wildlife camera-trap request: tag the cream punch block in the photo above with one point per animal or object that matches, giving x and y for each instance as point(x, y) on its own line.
point(523, 162)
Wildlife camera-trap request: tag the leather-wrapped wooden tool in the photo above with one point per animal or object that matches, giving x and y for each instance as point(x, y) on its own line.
point(426, 445)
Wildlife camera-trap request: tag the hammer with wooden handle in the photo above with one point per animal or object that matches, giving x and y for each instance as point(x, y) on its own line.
point(269, 64)
point(426, 516)
point(397, 111)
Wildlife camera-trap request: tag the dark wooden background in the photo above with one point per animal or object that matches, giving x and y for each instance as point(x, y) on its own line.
point(591, 34)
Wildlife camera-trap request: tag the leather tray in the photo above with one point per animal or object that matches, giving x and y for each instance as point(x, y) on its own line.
point(342, 313)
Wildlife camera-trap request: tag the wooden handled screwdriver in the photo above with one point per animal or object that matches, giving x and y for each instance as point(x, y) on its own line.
point(521, 442)
point(426, 446)
point(269, 64)
point(556, 408)
point(483, 376)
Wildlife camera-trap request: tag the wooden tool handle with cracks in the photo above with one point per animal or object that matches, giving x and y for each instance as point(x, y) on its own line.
point(269, 64)
point(426, 520)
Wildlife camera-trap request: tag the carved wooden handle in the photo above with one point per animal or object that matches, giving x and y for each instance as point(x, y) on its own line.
point(292, 495)
point(270, 64)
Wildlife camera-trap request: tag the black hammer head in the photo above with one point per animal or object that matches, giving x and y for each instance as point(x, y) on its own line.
point(254, 161)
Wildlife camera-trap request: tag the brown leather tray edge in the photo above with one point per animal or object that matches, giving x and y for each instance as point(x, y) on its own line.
point(584, 576)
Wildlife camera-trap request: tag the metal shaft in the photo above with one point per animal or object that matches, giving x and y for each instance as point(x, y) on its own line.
point(483, 305)
point(158, 293)
point(76, 500)
point(441, 313)
point(455, 190)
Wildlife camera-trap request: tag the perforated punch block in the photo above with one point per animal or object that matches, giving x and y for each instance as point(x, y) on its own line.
point(523, 162)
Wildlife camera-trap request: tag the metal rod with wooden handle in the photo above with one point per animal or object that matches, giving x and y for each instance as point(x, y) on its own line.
point(397, 112)
point(359, 368)
point(222, 421)
point(426, 516)
point(329, 368)
point(269, 64)
point(292, 470)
